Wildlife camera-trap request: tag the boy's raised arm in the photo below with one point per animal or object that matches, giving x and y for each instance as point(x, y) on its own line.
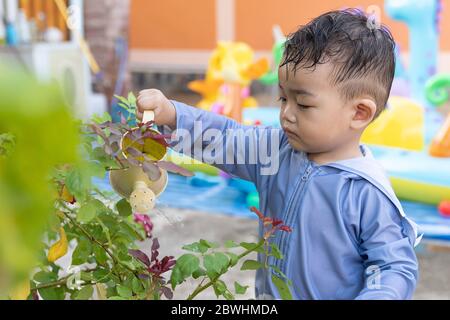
point(244, 151)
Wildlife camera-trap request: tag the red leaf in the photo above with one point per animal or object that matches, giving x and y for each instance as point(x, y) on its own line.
point(122, 119)
point(155, 244)
point(134, 152)
point(141, 256)
point(167, 292)
point(258, 213)
point(276, 222)
point(151, 170)
point(172, 167)
point(285, 228)
point(155, 254)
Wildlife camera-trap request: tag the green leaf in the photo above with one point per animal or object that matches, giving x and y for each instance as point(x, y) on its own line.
point(233, 258)
point(86, 276)
point(251, 265)
point(100, 141)
point(132, 231)
point(105, 117)
point(77, 182)
point(82, 252)
point(96, 169)
point(215, 264)
point(45, 277)
point(122, 99)
point(129, 264)
point(185, 266)
point(124, 292)
point(124, 208)
point(116, 298)
point(100, 255)
point(97, 232)
point(239, 289)
point(101, 275)
point(231, 244)
point(132, 99)
point(219, 287)
point(252, 246)
point(46, 136)
point(200, 272)
point(136, 285)
point(90, 210)
point(276, 252)
point(52, 293)
point(227, 295)
point(85, 293)
point(277, 270)
point(196, 247)
point(282, 287)
point(7, 143)
point(124, 106)
point(211, 245)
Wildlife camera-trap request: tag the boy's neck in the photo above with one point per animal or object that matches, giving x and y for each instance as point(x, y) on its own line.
point(349, 151)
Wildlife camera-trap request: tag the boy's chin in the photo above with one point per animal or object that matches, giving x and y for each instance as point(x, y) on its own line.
point(296, 145)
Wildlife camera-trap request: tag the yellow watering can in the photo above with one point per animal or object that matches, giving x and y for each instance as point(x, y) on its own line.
point(133, 183)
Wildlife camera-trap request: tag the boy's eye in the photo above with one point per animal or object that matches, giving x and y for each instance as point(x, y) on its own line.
point(282, 99)
point(302, 106)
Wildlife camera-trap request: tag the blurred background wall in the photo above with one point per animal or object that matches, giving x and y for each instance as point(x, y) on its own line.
point(175, 33)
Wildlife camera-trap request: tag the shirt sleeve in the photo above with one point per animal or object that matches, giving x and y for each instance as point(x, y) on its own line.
point(391, 268)
point(247, 152)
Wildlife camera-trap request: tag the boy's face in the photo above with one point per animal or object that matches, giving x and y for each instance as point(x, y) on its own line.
point(313, 114)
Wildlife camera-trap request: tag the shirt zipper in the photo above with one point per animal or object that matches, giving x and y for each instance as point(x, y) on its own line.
point(284, 236)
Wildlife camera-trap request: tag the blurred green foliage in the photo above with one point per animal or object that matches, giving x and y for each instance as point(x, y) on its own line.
point(37, 132)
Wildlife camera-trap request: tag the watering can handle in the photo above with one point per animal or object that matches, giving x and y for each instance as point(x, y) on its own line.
point(148, 116)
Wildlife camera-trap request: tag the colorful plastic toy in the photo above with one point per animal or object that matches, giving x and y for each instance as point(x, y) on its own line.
point(271, 78)
point(400, 126)
point(444, 208)
point(231, 69)
point(422, 18)
point(437, 92)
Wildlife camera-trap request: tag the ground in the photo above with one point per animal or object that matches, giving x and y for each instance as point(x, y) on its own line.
point(175, 227)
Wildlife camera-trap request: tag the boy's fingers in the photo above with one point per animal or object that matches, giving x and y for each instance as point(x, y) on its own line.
point(146, 103)
point(149, 91)
point(139, 115)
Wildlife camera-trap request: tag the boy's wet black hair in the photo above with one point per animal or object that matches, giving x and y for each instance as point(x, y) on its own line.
point(362, 53)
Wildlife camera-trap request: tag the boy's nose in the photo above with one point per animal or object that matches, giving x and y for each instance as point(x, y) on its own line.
point(287, 113)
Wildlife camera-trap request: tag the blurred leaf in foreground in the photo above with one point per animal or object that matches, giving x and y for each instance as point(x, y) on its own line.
point(37, 133)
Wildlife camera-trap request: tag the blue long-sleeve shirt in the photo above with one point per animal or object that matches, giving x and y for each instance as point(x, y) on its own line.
point(350, 238)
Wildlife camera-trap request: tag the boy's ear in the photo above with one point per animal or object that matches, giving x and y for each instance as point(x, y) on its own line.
point(363, 112)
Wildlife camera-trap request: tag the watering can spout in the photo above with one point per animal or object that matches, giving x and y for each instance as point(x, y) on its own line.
point(142, 199)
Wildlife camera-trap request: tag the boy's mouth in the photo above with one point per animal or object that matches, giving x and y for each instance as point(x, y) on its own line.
point(290, 133)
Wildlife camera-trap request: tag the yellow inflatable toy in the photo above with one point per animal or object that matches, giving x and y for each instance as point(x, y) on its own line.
point(401, 125)
point(231, 69)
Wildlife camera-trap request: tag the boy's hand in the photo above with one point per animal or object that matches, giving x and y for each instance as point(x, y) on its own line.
point(154, 100)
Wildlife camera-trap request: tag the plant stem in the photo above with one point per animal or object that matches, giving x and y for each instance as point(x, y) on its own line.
point(120, 162)
point(90, 237)
point(60, 282)
point(266, 254)
point(201, 287)
point(115, 260)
